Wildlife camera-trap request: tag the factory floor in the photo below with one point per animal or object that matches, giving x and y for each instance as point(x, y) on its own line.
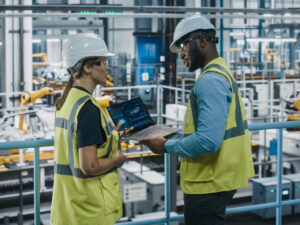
point(236, 219)
point(251, 219)
point(247, 218)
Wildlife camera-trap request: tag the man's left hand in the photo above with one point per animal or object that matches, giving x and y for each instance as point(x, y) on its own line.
point(155, 144)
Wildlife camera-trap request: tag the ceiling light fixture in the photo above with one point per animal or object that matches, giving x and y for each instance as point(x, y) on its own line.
point(278, 40)
point(235, 34)
point(53, 40)
point(36, 41)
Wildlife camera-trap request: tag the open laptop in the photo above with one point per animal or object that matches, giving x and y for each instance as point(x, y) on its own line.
point(133, 113)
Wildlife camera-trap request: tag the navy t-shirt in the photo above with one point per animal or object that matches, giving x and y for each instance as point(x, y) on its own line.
point(89, 128)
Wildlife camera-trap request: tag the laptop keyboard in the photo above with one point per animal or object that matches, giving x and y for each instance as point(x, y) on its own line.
point(146, 132)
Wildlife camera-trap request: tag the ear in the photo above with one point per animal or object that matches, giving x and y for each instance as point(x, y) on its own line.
point(87, 69)
point(202, 42)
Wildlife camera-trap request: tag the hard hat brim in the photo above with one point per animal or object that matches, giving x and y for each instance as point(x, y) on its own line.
point(174, 47)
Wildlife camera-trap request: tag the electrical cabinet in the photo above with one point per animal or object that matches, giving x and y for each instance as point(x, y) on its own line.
point(264, 191)
point(295, 179)
point(132, 172)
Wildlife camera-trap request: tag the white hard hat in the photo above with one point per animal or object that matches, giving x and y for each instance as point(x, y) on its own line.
point(80, 46)
point(188, 25)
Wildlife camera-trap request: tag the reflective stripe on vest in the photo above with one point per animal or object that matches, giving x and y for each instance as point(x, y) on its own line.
point(109, 128)
point(69, 169)
point(241, 125)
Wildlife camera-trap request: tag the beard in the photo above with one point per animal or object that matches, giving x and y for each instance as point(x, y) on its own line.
point(196, 59)
point(193, 65)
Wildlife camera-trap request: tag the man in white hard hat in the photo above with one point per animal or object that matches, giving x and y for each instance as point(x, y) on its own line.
point(215, 149)
point(86, 153)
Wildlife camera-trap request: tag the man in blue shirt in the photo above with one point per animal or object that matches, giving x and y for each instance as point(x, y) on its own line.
point(215, 138)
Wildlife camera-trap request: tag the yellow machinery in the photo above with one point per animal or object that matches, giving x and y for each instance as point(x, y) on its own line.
point(296, 115)
point(297, 103)
point(31, 97)
point(109, 83)
point(27, 157)
point(38, 80)
point(104, 102)
point(296, 106)
point(44, 58)
point(271, 56)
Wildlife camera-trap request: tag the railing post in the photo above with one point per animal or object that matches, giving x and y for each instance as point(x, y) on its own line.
point(20, 213)
point(129, 93)
point(158, 104)
point(279, 180)
point(167, 188)
point(36, 186)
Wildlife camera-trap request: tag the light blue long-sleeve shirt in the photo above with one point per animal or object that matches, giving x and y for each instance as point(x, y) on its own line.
point(214, 96)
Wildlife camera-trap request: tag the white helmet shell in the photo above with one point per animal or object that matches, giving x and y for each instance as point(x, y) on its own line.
point(188, 25)
point(83, 45)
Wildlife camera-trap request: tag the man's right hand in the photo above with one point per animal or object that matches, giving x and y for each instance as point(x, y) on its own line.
point(156, 145)
point(119, 159)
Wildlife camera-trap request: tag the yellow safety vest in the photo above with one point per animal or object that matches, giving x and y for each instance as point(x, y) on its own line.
point(230, 167)
point(80, 199)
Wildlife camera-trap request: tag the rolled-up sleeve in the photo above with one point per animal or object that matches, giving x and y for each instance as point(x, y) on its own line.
point(214, 96)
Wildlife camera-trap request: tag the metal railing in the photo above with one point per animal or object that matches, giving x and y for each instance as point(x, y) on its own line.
point(36, 144)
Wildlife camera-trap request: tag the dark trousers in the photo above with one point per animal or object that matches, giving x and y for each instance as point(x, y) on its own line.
point(206, 209)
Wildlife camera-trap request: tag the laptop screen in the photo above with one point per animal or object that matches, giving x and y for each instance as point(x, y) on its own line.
point(132, 113)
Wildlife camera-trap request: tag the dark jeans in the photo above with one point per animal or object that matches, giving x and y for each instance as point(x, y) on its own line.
point(206, 209)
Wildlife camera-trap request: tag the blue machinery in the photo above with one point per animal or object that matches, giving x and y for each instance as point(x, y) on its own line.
point(36, 144)
point(149, 51)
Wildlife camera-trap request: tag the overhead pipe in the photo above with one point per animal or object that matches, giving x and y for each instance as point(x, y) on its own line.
point(178, 9)
point(67, 24)
point(147, 15)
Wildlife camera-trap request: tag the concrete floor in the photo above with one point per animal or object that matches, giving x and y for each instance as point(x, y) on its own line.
point(233, 219)
point(251, 219)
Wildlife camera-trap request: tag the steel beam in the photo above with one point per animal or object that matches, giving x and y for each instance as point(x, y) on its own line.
point(66, 24)
point(119, 8)
point(148, 15)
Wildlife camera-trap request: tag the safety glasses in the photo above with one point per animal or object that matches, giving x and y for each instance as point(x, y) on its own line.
point(101, 63)
point(184, 43)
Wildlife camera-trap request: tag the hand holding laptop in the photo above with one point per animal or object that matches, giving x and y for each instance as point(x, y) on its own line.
point(156, 145)
point(124, 132)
